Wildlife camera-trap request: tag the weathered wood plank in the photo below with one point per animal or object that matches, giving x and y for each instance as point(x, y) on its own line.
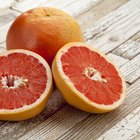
point(13, 130)
point(70, 6)
point(2, 49)
point(127, 85)
point(131, 70)
point(119, 61)
point(3, 45)
point(65, 118)
point(6, 3)
point(80, 6)
point(25, 5)
point(137, 137)
point(90, 126)
point(7, 15)
point(19, 129)
point(93, 127)
point(130, 48)
point(80, 10)
point(115, 28)
point(126, 129)
point(54, 3)
point(3, 31)
point(97, 12)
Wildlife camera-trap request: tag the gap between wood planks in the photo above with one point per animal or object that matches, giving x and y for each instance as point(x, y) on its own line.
point(39, 118)
point(63, 126)
point(17, 127)
point(135, 32)
point(126, 129)
point(96, 6)
point(98, 11)
point(63, 4)
point(130, 48)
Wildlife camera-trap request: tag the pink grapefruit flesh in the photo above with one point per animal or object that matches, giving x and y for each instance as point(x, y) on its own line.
point(89, 75)
point(96, 78)
point(25, 84)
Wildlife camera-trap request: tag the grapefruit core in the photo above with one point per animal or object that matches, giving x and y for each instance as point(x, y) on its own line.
point(25, 84)
point(87, 79)
point(44, 31)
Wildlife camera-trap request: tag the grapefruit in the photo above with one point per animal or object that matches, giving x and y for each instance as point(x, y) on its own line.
point(25, 84)
point(87, 79)
point(44, 31)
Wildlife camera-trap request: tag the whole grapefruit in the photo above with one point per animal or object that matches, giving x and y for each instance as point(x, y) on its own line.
point(44, 31)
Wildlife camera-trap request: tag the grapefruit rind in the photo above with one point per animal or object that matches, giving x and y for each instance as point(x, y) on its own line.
point(71, 94)
point(29, 111)
point(43, 30)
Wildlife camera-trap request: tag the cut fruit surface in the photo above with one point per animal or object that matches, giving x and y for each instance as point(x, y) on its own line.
point(87, 79)
point(25, 84)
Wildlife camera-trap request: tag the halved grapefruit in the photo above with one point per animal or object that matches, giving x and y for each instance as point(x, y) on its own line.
point(87, 79)
point(25, 84)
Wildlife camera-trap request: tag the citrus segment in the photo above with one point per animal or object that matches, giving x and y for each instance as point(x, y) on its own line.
point(25, 83)
point(89, 75)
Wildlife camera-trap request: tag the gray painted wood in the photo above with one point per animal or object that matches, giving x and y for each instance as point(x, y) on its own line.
point(7, 15)
point(130, 48)
point(90, 127)
point(119, 61)
point(131, 70)
point(111, 26)
point(115, 28)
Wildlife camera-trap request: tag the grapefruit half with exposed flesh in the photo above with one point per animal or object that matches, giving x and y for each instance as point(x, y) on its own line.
point(25, 84)
point(87, 79)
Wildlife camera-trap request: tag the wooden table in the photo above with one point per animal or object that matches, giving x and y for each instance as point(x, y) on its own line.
point(113, 26)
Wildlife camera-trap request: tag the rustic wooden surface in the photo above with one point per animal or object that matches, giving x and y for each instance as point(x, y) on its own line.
point(113, 26)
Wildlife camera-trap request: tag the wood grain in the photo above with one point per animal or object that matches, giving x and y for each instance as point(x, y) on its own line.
point(19, 129)
point(13, 130)
point(119, 61)
point(2, 49)
point(88, 18)
point(6, 3)
point(115, 30)
point(3, 44)
point(130, 48)
point(54, 3)
point(108, 33)
point(90, 126)
point(131, 70)
point(25, 5)
point(62, 120)
point(7, 15)
point(137, 137)
point(79, 5)
point(125, 129)
point(3, 31)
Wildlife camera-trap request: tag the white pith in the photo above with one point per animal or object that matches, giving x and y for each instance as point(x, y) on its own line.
point(17, 81)
point(71, 85)
point(48, 84)
point(94, 74)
